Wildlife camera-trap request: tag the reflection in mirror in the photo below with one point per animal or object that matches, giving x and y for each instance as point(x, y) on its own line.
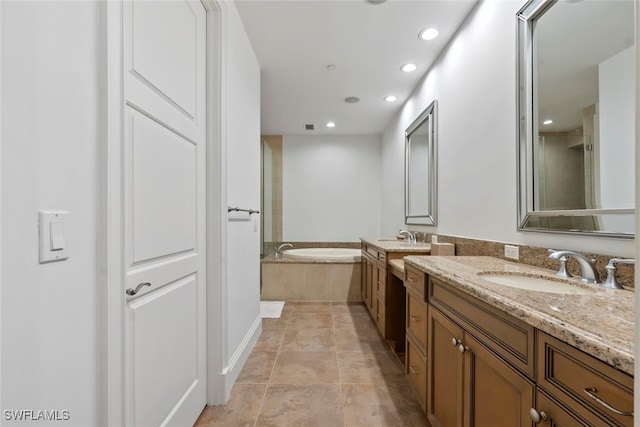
point(420, 168)
point(577, 116)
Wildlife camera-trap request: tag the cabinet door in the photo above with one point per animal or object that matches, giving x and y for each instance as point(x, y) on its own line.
point(380, 316)
point(495, 393)
point(368, 280)
point(372, 268)
point(444, 371)
point(363, 277)
point(381, 284)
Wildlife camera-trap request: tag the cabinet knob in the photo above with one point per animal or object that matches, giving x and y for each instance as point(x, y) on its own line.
point(455, 342)
point(536, 416)
point(462, 348)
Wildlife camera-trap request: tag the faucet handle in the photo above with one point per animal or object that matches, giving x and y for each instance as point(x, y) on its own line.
point(611, 282)
point(562, 271)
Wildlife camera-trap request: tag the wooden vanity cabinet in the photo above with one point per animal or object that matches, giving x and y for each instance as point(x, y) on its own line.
point(384, 294)
point(469, 382)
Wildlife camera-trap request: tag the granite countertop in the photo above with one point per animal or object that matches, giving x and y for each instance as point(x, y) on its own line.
point(396, 245)
point(600, 322)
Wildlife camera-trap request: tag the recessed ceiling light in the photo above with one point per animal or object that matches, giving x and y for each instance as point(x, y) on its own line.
point(547, 122)
point(331, 125)
point(390, 98)
point(428, 34)
point(375, 1)
point(331, 67)
point(407, 68)
point(351, 99)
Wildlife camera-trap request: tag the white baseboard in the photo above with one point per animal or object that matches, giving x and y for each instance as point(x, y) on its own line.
point(240, 356)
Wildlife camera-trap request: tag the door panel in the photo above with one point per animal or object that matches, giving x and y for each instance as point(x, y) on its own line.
point(489, 380)
point(164, 189)
point(164, 34)
point(165, 349)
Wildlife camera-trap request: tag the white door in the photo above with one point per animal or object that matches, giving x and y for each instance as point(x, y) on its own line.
point(164, 91)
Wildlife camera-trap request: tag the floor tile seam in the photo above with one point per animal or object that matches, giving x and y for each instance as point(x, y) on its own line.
point(307, 383)
point(264, 396)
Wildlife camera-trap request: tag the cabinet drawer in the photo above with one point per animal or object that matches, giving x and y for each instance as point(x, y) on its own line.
point(568, 373)
point(509, 337)
point(415, 280)
point(559, 415)
point(417, 371)
point(416, 320)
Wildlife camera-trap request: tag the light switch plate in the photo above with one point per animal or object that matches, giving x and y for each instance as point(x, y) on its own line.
point(53, 244)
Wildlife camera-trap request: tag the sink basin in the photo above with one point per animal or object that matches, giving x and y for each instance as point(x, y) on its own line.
point(533, 283)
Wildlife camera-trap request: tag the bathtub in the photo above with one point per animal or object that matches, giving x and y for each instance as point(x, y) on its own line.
point(312, 273)
point(328, 254)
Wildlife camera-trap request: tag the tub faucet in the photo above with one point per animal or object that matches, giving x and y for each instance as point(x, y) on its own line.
point(611, 282)
point(279, 248)
point(587, 266)
point(412, 236)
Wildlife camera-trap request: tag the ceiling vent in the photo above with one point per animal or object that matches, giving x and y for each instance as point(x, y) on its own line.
point(308, 127)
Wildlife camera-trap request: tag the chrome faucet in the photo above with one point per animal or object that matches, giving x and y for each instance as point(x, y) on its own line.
point(562, 271)
point(587, 266)
point(412, 236)
point(611, 282)
point(279, 248)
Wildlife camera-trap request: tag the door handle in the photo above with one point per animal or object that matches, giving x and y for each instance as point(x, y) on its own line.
point(137, 289)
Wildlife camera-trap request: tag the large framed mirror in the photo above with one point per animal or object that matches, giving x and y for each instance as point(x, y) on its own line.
point(576, 117)
point(420, 172)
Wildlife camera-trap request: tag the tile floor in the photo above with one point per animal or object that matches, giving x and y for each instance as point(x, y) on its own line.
point(320, 364)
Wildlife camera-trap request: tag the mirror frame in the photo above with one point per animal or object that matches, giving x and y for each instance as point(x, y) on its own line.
point(526, 116)
point(429, 217)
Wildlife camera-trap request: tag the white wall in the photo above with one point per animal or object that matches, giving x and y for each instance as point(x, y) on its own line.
point(49, 133)
point(617, 116)
point(474, 82)
point(330, 188)
point(243, 189)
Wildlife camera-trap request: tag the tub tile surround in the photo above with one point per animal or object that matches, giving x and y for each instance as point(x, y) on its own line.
point(600, 323)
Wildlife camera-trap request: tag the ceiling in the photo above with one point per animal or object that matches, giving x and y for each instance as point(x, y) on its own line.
point(296, 40)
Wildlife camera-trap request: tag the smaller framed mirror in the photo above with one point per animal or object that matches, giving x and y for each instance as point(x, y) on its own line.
point(420, 172)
